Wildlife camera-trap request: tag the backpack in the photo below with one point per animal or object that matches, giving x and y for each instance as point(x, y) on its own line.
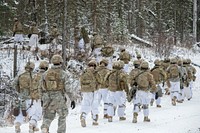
point(113, 80)
point(142, 80)
point(101, 76)
point(86, 78)
point(173, 71)
point(52, 79)
point(156, 74)
point(34, 91)
point(189, 72)
point(25, 81)
point(98, 40)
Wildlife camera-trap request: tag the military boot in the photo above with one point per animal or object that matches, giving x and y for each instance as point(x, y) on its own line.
point(82, 119)
point(31, 128)
point(146, 119)
point(95, 123)
point(135, 115)
point(17, 127)
point(109, 118)
point(158, 106)
point(105, 116)
point(122, 118)
point(174, 101)
point(151, 103)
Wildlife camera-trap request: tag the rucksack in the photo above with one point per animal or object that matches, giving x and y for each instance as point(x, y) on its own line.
point(173, 71)
point(101, 76)
point(25, 81)
point(52, 79)
point(156, 74)
point(86, 78)
point(34, 91)
point(98, 40)
point(113, 79)
point(142, 80)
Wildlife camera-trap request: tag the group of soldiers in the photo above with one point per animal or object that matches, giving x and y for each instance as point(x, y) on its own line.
point(106, 78)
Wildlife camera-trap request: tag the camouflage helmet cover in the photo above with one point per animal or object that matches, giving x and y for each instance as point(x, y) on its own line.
point(54, 25)
point(188, 61)
point(136, 62)
point(139, 56)
point(116, 64)
point(30, 65)
point(144, 64)
point(104, 61)
point(56, 59)
point(173, 60)
point(157, 62)
point(92, 62)
point(43, 64)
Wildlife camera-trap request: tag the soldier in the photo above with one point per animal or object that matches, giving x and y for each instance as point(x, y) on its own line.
point(173, 75)
point(139, 58)
point(54, 34)
point(191, 71)
point(125, 57)
point(145, 84)
point(159, 76)
point(56, 87)
point(90, 94)
point(96, 45)
point(117, 84)
point(33, 35)
point(23, 84)
point(107, 52)
point(102, 70)
point(18, 31)
point(132, 79)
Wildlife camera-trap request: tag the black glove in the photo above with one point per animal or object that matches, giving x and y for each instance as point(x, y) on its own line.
point(14, 34)
point(73, 104)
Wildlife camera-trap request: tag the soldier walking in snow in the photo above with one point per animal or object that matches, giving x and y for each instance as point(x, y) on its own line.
point(23, 85)
point(145, 84)
point(33, 35)
point(18, 31)
point(56, 84)
point(90, 94)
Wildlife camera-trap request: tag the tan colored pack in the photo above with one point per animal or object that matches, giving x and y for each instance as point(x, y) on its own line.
point(142, 80)
point(98, 40)
point(25, 81)
point(101, 73)
point(173, 71)
point(53, 80)
point(35, 92)
point(132, 76)
point(158, 75)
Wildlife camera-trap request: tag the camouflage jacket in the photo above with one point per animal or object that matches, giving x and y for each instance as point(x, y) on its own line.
point(125, 56)
point(159, 74)
point(149, 77)
point(17, 28)
point(33, 30)
point(100, 75)
point(54, 33)
point(88, 80)
point(107, 51)
point(117, 80)
point(66, 80)
point(132, 76)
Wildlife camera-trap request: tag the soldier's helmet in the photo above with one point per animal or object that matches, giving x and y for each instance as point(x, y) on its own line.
point(144, 65)
point(43, 64)
point(173, 61)
point(104, 61)
point(30, 65)
point(15, 19)
point(184, 61)
point(56, 59)
point(116, 65)
point(166, 60)
point(54, 25)
point(180, 62)
point(157, 62)
point(33, 23)
point(92, 63)
point(136, 62)
point(94, 33)
point(122, 49)
point(108, 45)
point(188, 61)
point(139, 56)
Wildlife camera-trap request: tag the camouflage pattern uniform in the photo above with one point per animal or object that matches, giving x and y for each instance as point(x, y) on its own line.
point(18, 31)
point(54, 34)
point(35, 93)
point(125, 57)
point(90, 94)
point(117, 81)
point(174, 81)
point(96, 46)
point(55, 98)
point(103, 88)
point(159, 76)
point(107, 52)
point(33, 42)
point(22, 84)
point(143, 93)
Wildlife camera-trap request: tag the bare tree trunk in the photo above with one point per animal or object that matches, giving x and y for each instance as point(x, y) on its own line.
point(15, 61)
point(94, 15)
point(64, 34)
point(194, 21)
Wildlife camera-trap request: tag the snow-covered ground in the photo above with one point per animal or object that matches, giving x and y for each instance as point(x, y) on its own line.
point(183, 118)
